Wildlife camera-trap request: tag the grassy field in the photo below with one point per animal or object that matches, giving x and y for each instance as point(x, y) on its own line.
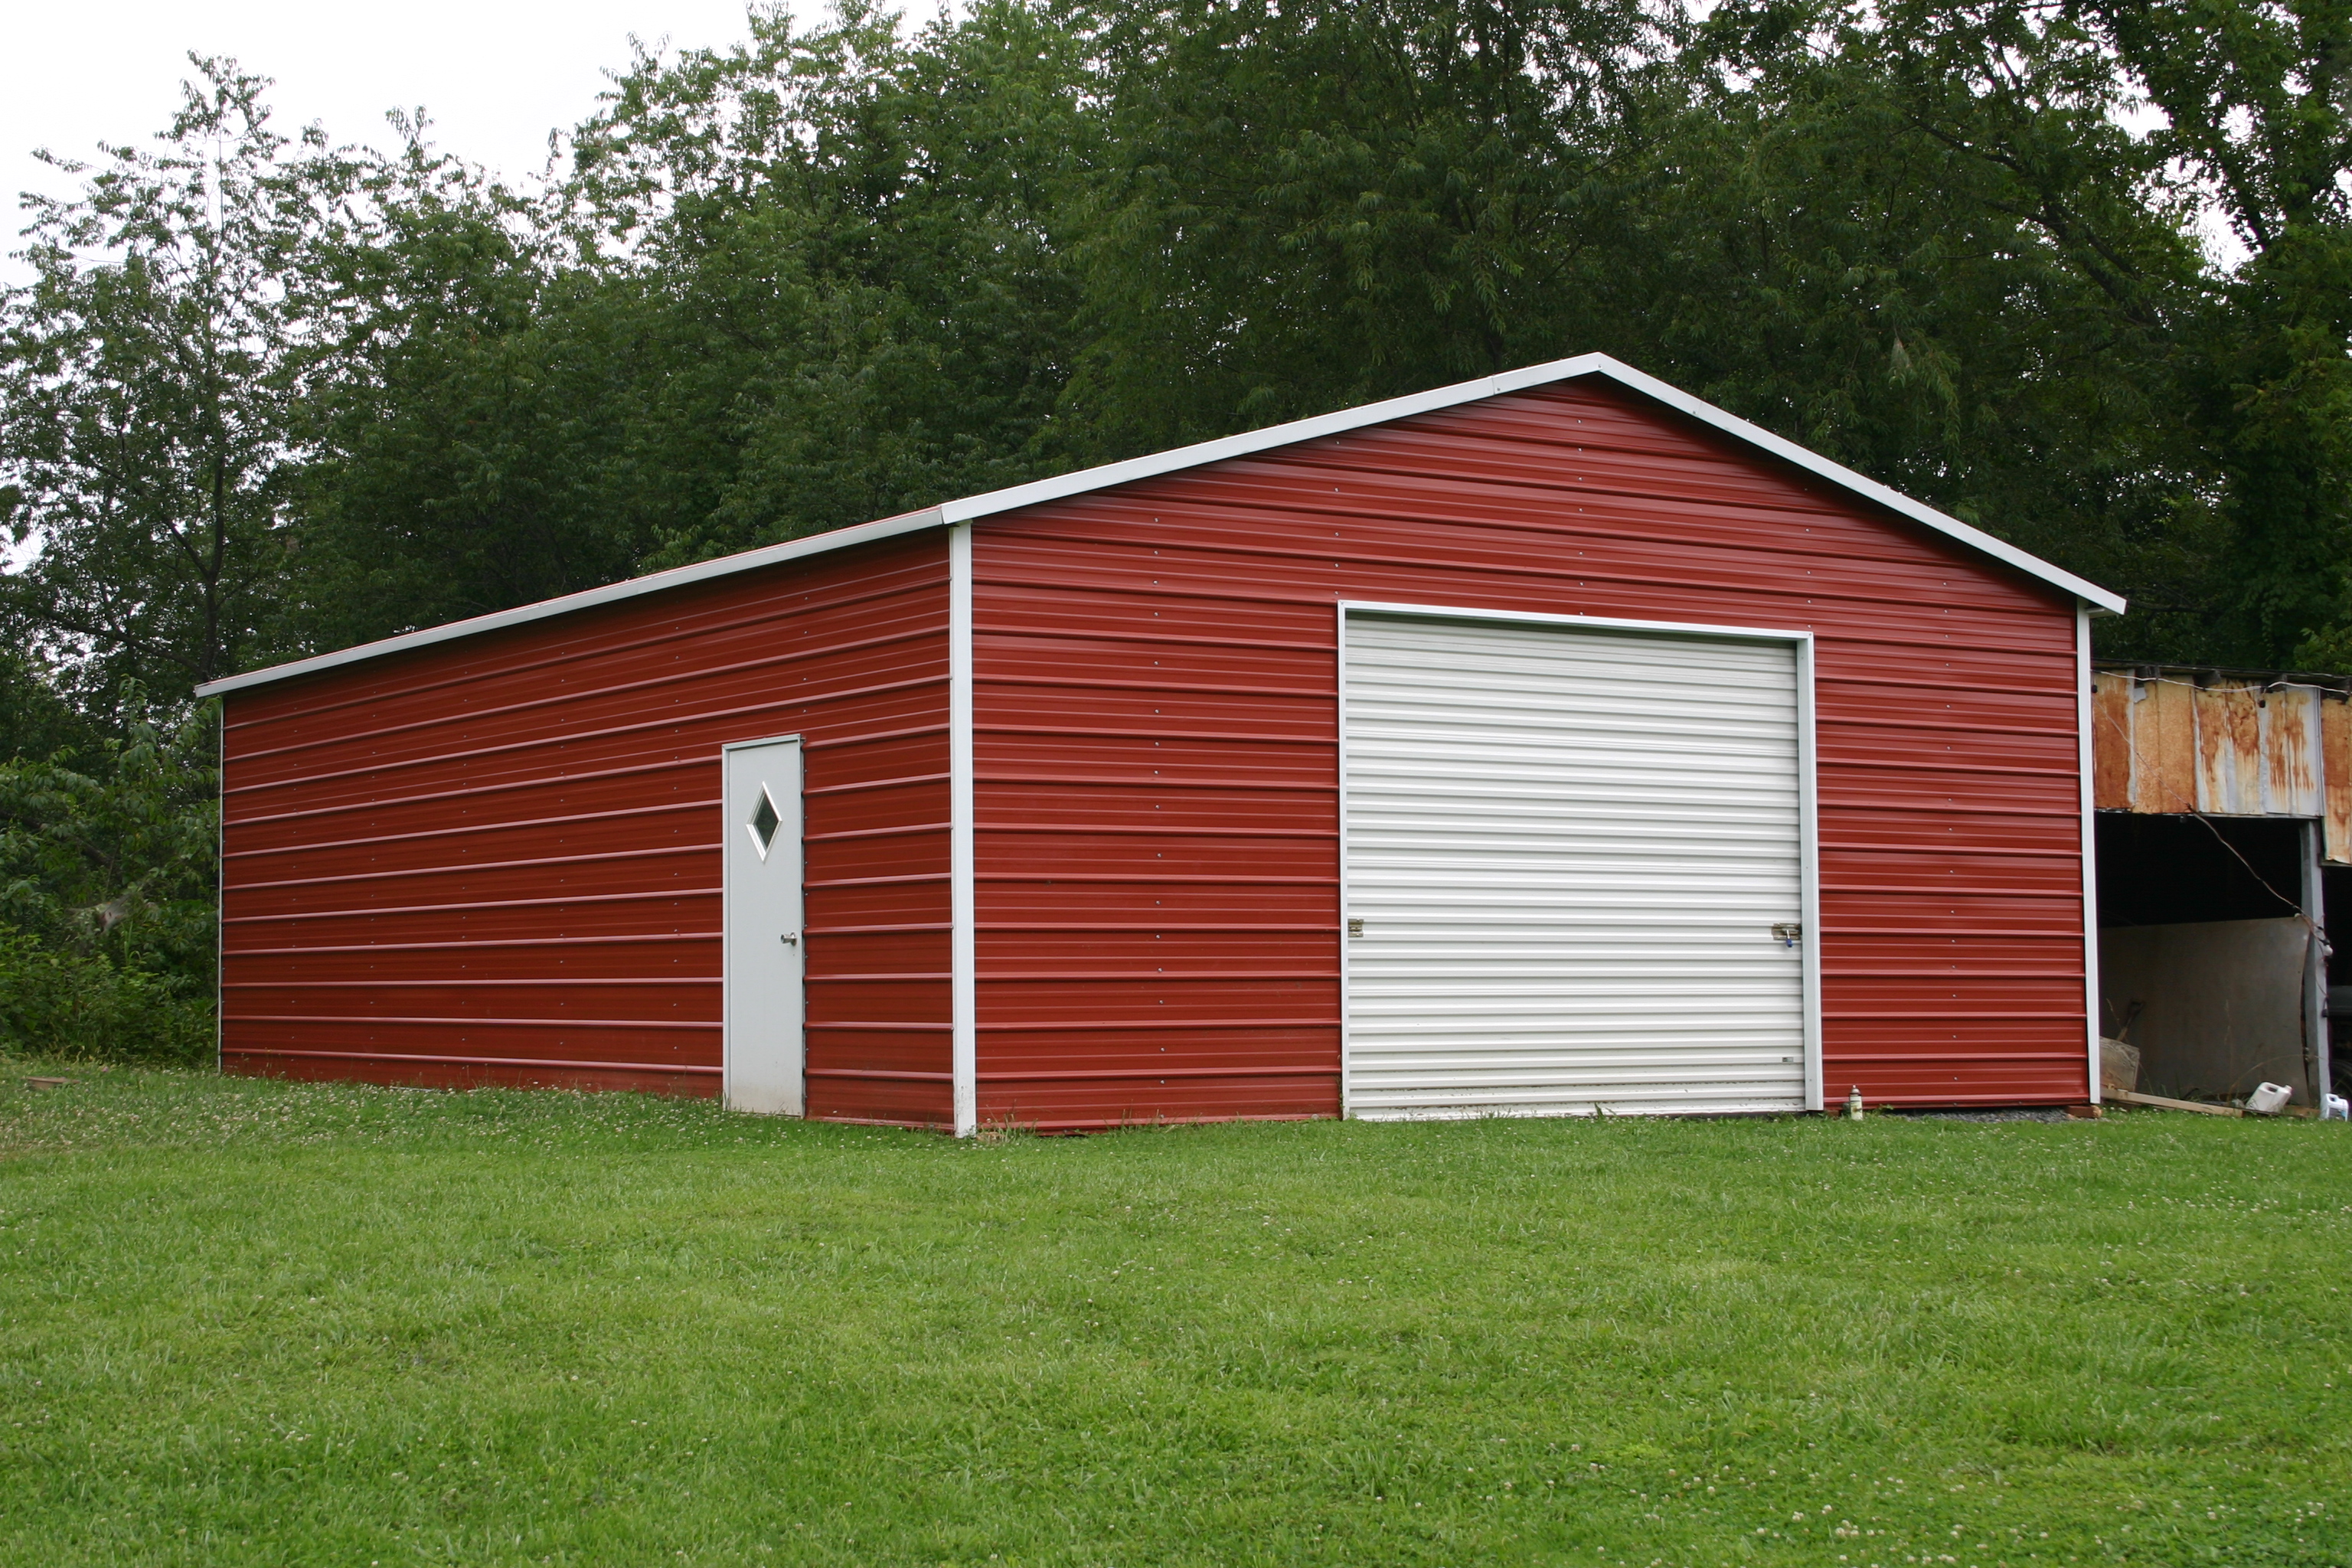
point(266, 1323)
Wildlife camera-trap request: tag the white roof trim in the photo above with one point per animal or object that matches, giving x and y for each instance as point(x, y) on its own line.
point(677, 577)
point(994, 501)
point(2090, 593)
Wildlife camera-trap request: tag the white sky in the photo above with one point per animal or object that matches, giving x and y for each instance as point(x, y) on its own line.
point(495, 75)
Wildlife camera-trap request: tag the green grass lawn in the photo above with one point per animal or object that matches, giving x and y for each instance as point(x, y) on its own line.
point(261, 1322)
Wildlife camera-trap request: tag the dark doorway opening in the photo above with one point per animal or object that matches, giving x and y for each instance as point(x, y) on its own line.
point(2168, 870)
point(2207, 966)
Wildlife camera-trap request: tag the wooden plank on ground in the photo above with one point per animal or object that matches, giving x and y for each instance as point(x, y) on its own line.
point(2158, 1102)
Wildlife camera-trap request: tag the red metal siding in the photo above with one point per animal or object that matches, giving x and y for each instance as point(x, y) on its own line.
point(497, 860)
point(1157, 764)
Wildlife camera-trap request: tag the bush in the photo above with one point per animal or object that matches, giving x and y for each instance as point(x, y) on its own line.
point(107, 873)
point(83, 1006)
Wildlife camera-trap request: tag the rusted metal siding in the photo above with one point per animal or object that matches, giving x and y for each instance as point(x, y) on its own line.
point(497, 860)
point(2225, 744)
point(1158, 876)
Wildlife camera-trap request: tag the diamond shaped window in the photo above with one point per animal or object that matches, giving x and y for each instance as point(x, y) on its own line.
point(764, 823)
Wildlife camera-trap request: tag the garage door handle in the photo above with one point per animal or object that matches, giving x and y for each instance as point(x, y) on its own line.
point(791, 938)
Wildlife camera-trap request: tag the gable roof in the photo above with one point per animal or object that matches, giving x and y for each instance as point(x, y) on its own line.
point(974, 507)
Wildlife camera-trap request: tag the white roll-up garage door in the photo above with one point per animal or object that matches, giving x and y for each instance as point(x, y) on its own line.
point(1568, 849)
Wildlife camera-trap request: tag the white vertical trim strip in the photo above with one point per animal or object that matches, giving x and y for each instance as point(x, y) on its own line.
point(2314, 842)
point(1809, 873)
point(220, 886)
point(1347, 1002)
point(2085, 762)
point(963, 962)
point(727, 976)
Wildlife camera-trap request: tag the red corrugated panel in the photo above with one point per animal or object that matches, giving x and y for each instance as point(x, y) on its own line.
point(1155, 711)
point(497, 860)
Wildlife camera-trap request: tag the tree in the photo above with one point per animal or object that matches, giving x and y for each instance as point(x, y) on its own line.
point(2204, 466)
point(2257, 106)
point(840, 258)
point(1935, 254)
point(1308, 206)
point(794, 285)
point(148, 381)
point(453, 443)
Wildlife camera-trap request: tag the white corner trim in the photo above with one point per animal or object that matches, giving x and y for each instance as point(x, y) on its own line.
point(1809, 877)
point(612, 593)
point(974, 507)
point(1346, 976)
point(220, 894)
point(2086, 761)
point(963, 904)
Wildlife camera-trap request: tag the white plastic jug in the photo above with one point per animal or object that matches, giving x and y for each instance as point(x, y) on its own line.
point(2268, 1099)
point(2336, 1108)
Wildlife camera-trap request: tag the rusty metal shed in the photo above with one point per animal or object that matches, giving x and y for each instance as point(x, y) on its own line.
point(2228, 743)
point(2225, 813)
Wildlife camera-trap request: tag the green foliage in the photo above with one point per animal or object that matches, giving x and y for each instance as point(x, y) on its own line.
point(1306, 206)
point(106, 884)
point(245, 1322)
point(840, 256)
point(72, 1006)
point(1917, 239)
point(2257, 105)
point(35, 719)
point(447, 473)
point(148, 384)
point(2211, 471)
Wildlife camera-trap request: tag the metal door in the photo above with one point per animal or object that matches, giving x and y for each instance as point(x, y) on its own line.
point(1574, 869)
point(763, 941)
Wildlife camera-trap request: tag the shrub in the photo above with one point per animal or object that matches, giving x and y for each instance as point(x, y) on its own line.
point(83, 1006)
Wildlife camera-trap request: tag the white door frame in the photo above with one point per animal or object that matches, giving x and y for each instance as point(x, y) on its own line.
point(1808, 794)
point(729, 826)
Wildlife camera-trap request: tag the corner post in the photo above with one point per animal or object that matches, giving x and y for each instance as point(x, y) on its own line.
point(963, 961)
point(2315, 979)
point(2085, 762)
point(220, 885)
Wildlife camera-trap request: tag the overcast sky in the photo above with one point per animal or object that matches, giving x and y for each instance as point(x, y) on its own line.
point(495, 75)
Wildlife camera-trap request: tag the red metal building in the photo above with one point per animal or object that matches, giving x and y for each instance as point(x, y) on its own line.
point(1549, 742)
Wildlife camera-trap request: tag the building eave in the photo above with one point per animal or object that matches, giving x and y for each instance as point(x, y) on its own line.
point(2089, 595)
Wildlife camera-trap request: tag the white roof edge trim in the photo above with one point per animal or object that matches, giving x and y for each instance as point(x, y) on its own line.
point(676, 577)
point(2097, 599)
point(2090, 593)
point(1599, 364)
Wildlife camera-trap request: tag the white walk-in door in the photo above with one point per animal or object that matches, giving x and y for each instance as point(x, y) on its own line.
point(1574, 869)
point(764, 1009)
